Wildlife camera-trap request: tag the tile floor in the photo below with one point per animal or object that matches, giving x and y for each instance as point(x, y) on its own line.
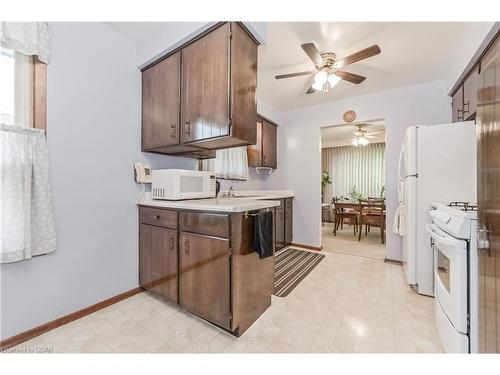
point(345, 242)
point(348, 304)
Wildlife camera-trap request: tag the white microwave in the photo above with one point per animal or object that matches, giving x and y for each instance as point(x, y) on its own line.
point(177, 184)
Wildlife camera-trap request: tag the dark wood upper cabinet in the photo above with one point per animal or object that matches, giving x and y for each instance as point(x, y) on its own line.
point(160, 103)
point(204, 282)
point(254, 152)
point(264, 152)
point(205, 86)
point(202, 97)
point(464, 92)
point(470, 94)
point(457, 106)
point(161, 106)
point(269, 145)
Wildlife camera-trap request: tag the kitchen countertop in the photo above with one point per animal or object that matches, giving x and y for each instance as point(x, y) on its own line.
point(263, 194)
point(242, 202)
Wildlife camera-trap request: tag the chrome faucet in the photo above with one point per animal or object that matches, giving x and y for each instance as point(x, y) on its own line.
point(230, 192)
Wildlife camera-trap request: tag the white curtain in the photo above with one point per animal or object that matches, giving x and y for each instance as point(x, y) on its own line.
point(362, 167)
point(230, 164)
point(28, 38)
point(26, 213)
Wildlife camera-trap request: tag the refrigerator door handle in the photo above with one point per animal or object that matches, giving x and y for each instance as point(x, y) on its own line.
point(400, 163)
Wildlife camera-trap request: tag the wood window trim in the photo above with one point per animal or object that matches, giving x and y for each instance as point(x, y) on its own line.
point(39, 94)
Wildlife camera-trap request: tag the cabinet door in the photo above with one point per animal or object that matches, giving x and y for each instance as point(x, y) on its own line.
point(205, 87)
point(457, 106)
point(269, 145)
point(280, 228)
point(161, 103)
point(158, 261)
point(255, 151)
point(204, 277)
point(288, 222)
point(470, 94)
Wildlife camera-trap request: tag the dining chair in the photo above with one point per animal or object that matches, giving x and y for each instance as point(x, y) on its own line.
point(342, 213)
point(372, 213)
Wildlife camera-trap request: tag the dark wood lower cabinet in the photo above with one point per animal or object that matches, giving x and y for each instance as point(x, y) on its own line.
point(158, 260)
point(204, 282)
point(284, 223)
point(280, 228)
point(205, 262)
point(288, 221)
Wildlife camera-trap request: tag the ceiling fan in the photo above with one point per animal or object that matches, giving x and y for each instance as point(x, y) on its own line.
point(328, 68)
point(361, 137)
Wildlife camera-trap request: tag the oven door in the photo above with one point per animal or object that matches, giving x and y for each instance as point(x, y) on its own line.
point(450, 275)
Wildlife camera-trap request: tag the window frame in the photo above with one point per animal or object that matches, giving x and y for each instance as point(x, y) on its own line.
point(39, 94)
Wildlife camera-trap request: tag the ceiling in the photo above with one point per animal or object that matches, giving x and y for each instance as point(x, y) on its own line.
point(412, 53)
point(341, 135)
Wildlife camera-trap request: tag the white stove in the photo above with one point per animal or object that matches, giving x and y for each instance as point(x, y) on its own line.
point(452, 238)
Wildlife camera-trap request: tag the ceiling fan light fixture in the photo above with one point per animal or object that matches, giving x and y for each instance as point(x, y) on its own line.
point(333, 80)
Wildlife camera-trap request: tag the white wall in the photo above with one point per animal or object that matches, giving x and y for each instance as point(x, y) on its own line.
point(300, 150)
point(94, 139)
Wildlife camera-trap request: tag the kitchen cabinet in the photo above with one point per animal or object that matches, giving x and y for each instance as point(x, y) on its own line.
point(280, 228)
point(204, 283)
point(158, 260)
point(202, 96)
point(264, 152)
point(160, 107)
point(457, 103)
point(284, 223)
point(470, 94)
point(464, 92)
point(205, 261)
point(288, 221)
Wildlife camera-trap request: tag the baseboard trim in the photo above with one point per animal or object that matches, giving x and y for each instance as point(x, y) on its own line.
point(387, 260)
point(307, 246)
point(41, 329)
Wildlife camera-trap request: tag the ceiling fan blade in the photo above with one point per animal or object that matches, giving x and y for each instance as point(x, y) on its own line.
point(290, 75)
point(351, 77)
point(311, 90)
point(355, 57)
point(313, 53)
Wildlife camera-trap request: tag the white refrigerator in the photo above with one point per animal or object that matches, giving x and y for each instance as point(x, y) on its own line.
point(437, 164)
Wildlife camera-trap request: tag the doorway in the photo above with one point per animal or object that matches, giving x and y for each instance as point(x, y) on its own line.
point(353, 189)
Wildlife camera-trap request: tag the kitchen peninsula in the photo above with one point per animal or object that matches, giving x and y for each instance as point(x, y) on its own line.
point(199, 254)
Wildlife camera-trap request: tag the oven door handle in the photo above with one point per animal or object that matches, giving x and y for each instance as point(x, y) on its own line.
point(449, 241)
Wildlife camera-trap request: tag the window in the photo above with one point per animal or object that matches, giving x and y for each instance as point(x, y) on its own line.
point(7, 86)
point(229, 164)
point(23, 90)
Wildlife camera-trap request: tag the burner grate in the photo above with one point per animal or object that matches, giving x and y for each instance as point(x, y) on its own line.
point(464, 206)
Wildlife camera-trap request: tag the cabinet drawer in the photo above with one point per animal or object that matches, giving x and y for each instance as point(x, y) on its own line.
point(158, 217)
point(210, 224)
point(288, 202)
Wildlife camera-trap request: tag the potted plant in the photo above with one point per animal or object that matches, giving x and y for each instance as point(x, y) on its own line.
point(326, 179)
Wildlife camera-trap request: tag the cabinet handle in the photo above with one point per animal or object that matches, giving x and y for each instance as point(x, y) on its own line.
point(157, 217)
point(187, 128)
point(172, 131)
point(171, 244)
point(464, 110)
point(460, 115)
point(186, 246)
